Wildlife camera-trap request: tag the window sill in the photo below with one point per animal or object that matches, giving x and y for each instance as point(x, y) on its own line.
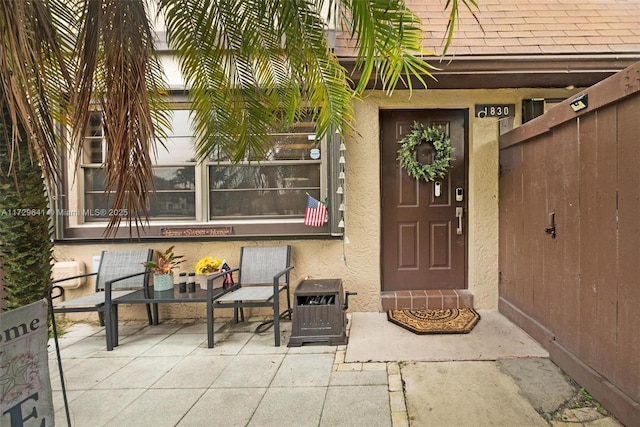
point(194, 231)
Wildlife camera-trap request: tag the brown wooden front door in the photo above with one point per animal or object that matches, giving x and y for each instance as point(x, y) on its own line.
point(423, 240)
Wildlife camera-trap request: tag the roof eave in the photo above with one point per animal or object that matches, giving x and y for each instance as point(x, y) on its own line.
point(517, 71)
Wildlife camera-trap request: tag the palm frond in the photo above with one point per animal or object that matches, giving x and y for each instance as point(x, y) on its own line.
point(119, 70)
point(34, 81)
point(325, 85)
point(389, 40)
point(254, 66)
point(453, 18)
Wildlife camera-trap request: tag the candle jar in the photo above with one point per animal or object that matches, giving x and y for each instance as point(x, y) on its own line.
point(192, 283)
point(183, 283)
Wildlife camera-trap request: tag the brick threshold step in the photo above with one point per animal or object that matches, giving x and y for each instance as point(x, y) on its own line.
point(431, 299)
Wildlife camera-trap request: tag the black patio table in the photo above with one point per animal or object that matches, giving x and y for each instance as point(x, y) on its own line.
point(171, 296)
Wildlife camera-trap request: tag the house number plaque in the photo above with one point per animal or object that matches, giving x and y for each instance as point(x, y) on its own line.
point(495, 110)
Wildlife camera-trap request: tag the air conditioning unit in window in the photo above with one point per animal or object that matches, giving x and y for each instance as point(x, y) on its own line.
point(64, 269)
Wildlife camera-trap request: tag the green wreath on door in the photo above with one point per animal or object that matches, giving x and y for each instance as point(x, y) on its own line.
point(441, 143)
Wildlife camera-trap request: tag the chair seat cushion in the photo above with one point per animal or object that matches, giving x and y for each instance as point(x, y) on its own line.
point(91, 299)
point(249, 293)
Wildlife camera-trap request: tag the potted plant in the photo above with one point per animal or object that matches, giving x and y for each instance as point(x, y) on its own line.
point(205, 266)
point(163, 267)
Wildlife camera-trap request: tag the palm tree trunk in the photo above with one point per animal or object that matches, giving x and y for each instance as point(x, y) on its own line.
point(25, 229)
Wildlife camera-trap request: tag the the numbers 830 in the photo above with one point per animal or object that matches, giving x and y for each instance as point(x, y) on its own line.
point(483, 111)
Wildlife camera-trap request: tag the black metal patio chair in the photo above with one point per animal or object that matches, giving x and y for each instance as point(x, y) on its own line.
point(263, 274)
point(119, 273)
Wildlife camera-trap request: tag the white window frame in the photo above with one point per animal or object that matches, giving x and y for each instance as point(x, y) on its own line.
point(202, 191)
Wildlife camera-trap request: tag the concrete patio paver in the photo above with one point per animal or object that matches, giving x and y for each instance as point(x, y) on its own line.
point(166, 376)
point(540, 380)
point(226, 344)
point(449, 394)
point(255, 370)
point(232, 407)
point(141, 372)
point(363, 377)
point(143, 411)
point(304, 370)
point(295, 406)
point(97, 407)
point(374, 338)
point(90, 372)
point(133, 345)
point(188, 373)
point(356, 406)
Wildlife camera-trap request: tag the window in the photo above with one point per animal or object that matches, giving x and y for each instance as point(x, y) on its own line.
point(173, 172)
point(532, 108)
point(272, 187)
point(268, 190)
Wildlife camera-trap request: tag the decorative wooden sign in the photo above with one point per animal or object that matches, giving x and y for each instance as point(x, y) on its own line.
point(195, 231)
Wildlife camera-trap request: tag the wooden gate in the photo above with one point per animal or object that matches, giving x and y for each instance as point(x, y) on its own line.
point(570, 238)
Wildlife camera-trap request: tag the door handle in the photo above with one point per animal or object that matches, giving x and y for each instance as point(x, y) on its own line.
point(459, 215)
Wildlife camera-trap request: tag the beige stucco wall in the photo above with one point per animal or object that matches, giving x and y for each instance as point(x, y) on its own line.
point(357, 259)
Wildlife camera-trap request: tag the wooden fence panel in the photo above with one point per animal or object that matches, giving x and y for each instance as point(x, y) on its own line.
point(628, 322)
point(506, 243)
point(512, 214)
point(533, 186)
point(535, 218)
point(564, 265)
point(598, 235)
point(554, 249)
point(580, 291)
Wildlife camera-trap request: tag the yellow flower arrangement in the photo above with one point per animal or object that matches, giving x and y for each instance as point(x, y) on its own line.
point(208, 265)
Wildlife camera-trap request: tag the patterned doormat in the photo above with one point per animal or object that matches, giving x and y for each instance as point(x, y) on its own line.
point(449, 321)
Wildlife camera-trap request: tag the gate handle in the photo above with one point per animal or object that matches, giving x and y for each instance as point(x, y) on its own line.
point(459, 214)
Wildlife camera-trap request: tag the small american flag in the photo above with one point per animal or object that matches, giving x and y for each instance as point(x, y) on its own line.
point(316, 213)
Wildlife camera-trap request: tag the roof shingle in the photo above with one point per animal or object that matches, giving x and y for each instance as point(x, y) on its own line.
point(529, 27)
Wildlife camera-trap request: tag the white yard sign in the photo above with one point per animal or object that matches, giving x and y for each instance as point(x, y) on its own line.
point(25, 388)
